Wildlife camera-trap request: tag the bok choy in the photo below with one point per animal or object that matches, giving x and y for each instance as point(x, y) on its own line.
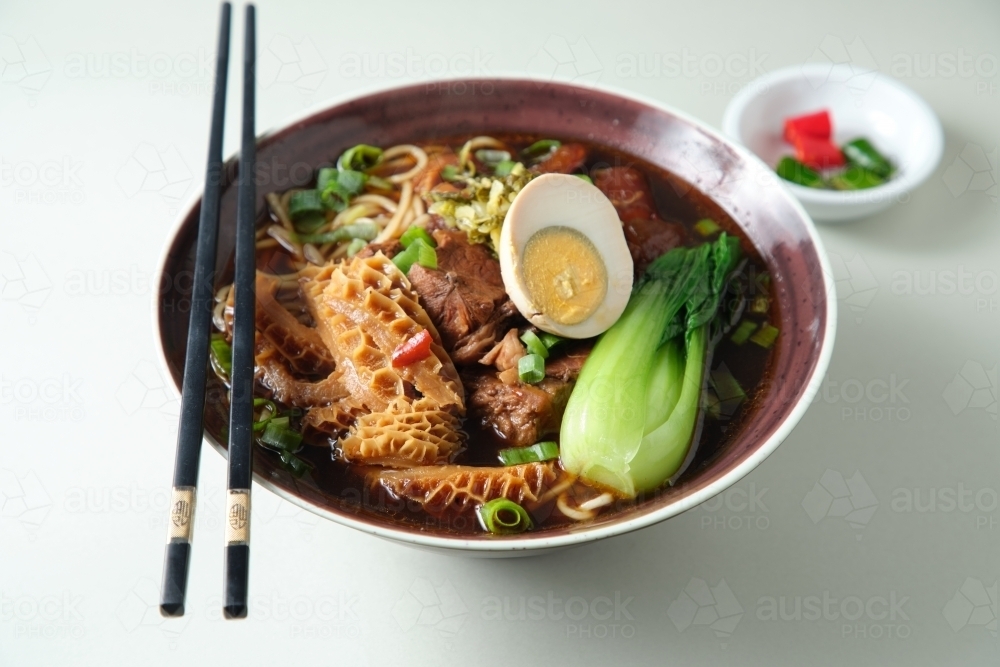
point(631, 417)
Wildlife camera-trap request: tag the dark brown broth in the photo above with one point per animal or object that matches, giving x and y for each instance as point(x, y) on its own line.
point(675, 201)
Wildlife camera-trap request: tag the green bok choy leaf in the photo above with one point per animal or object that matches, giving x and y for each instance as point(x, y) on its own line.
point(631, 417)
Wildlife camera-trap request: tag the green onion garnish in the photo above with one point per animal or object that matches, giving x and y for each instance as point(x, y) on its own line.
point(743, 331)
point(449, 172)
point(541, 148)
point(706, 227)
point(271, 408)
point(727, 389)
point(491, 157)
point(535, 344)
point(531, 368)
point(766, 336)
point(365, 231)
point(280, 437)
point(541, 451)
point(222, 355)
point(324, 176)
point(355, 246)
point(360, 158)
point(862, 154)
point(379, 183)
point(503, 168)
point(856, 178)
point(550, 340)
point(413, 232)
point(759, 304)
point(294, 464)
point(585, 177)
point(792, 170)
point(305, 208)
point(504, 517)
point(417, 253)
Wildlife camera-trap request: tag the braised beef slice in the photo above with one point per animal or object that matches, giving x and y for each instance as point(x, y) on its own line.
point(389, 248)
point(464, 296)
point(565, 364)
point(522, 414)
point(647, 236)
point(564, 160)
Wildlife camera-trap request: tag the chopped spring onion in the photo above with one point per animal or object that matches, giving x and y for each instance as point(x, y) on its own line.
point(222, 355)
point(531, 368)
point(502, 169)
point(550, 340)
point(379, 183)
point(294, 464)
point(271, 408)
point(414, 232)
point(585, 177)
point(743, 331)
point(324, 177)
point(792, 170)
point(280, 437)
point(540, 451)
point(728, 391)
point(504, 517)
point(491, 157)
point(360, 158)
point(305, 208)
point(338, 188)
point(706, 227)
point(541, 149)
point(759, 304)
point(365, 231)
point(862, 154)
point(449, 172)
point(355, 246)
point(856, 178)
point(281, 421)
point(535, 344)
point(418, 252)
point(766, 336)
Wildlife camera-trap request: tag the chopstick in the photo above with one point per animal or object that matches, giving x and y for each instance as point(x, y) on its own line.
point(237, 563)
point(177, 558)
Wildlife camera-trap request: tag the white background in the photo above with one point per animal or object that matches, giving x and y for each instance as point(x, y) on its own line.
point(96, 162)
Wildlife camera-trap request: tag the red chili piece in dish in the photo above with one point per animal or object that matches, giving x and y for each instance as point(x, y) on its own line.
point(816, 125)
point(818, 153)
point(413, 350)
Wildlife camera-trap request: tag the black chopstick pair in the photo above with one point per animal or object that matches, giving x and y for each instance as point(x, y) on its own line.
point(189, 435)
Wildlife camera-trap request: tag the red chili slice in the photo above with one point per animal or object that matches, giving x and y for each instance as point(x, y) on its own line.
point(415, 349)
point(818, 153)
point(816, 125)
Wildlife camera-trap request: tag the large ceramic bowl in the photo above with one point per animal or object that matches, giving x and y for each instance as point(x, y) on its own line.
point(699, 157)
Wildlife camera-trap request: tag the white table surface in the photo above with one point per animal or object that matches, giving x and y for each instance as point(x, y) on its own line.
point(96, 160)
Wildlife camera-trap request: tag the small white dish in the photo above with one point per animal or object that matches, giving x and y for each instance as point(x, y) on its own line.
point(862, 103)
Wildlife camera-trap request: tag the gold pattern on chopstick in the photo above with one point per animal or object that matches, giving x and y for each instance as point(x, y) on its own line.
point(181, 524)
point(238, 517)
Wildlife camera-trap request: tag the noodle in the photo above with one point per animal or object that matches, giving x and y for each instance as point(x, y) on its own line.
point(569, 511)
point(418, 154)
point(393, 229)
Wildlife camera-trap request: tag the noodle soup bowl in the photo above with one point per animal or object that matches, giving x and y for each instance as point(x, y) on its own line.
point(695, 156)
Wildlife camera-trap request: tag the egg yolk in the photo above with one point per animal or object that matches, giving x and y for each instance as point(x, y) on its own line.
point(564, 274)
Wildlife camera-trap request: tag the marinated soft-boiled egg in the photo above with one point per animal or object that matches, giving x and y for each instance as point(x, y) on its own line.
point(563, 257)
